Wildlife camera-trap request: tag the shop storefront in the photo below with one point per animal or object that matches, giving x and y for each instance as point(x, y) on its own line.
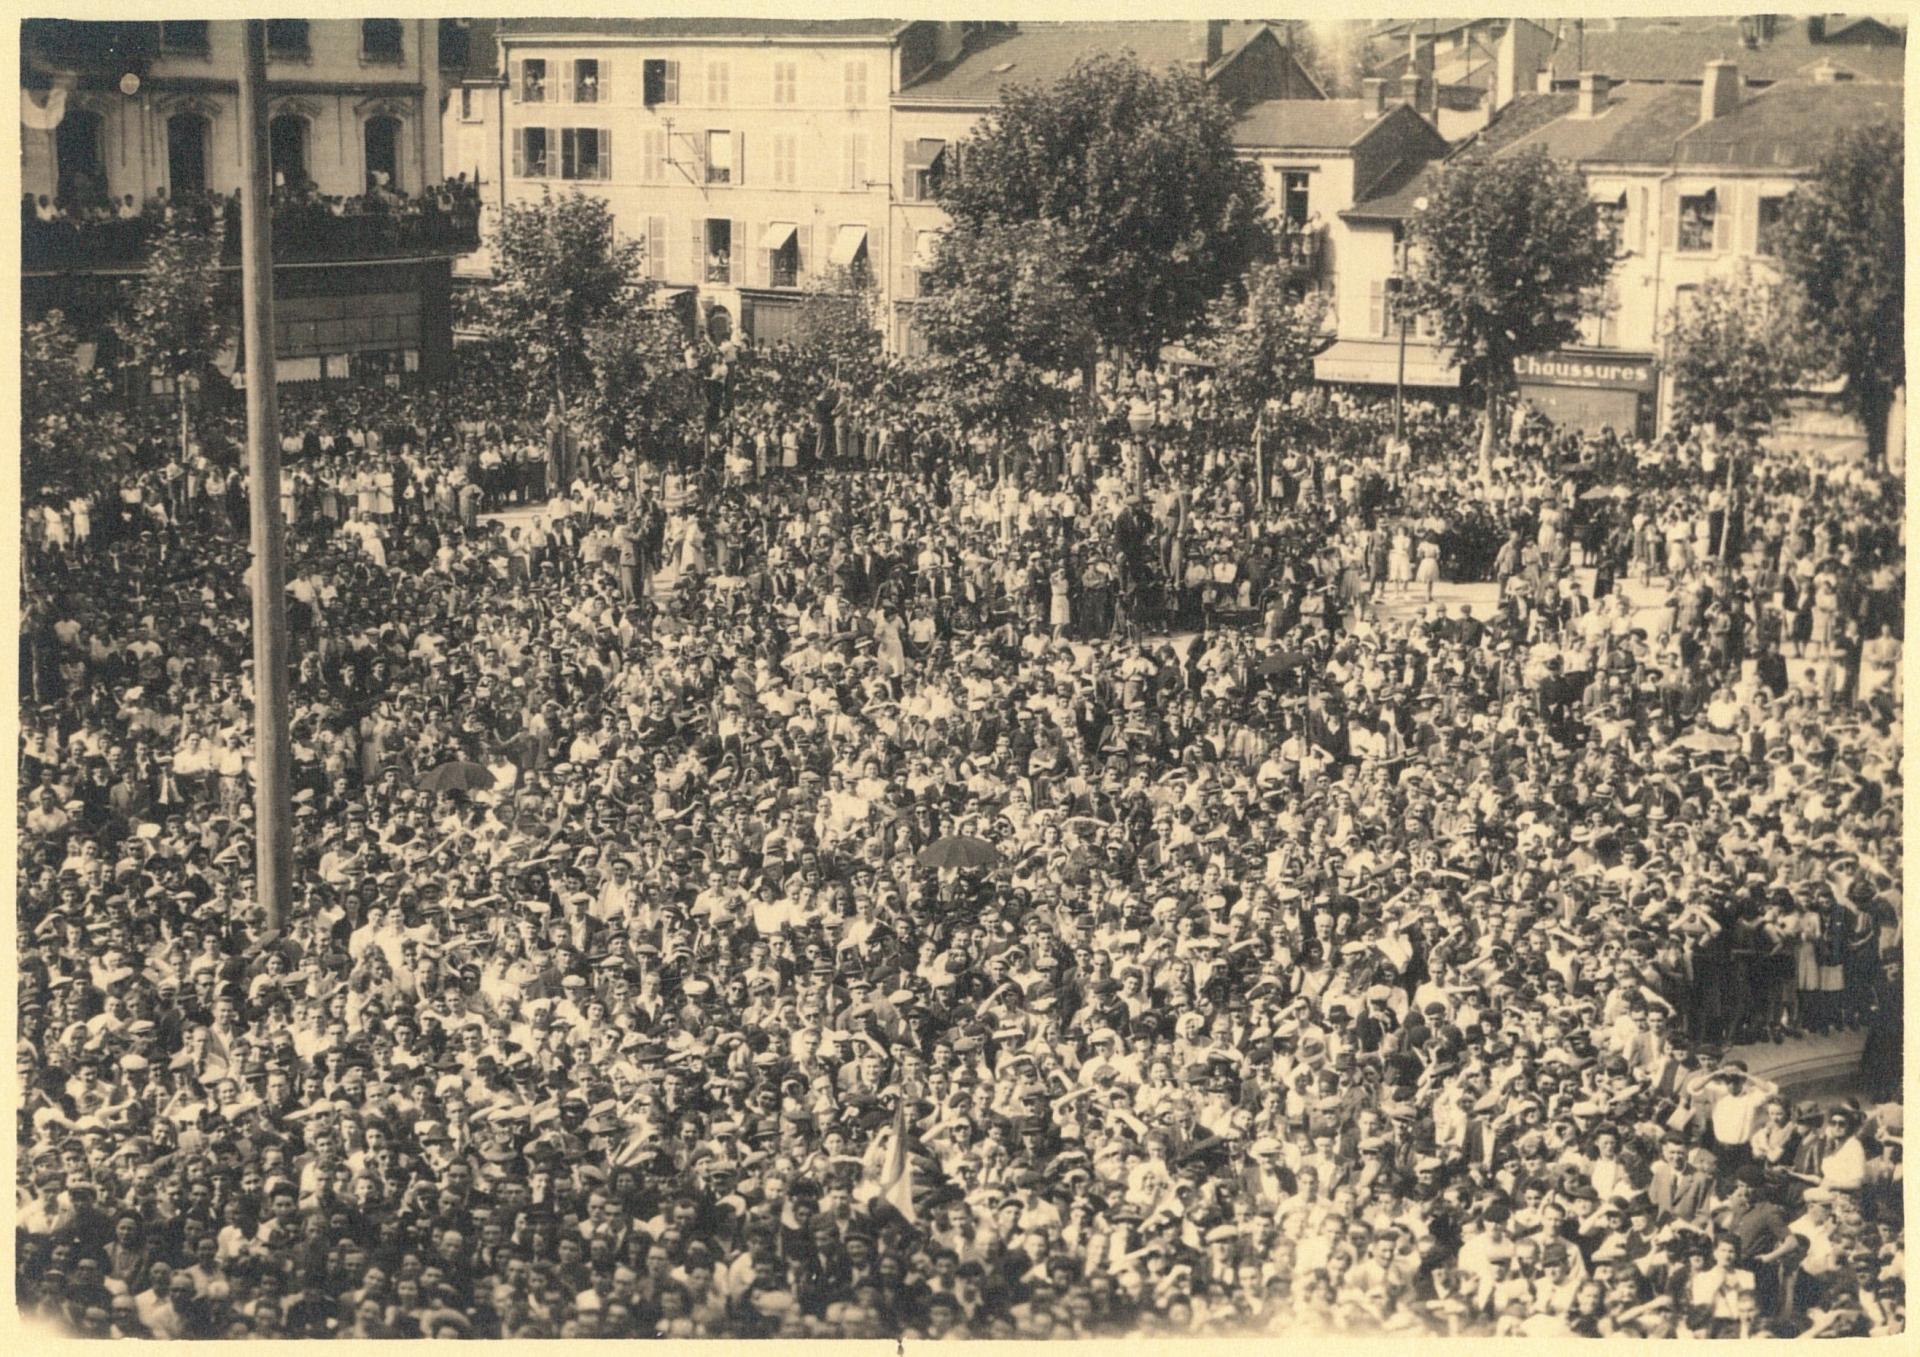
point(1592, 391)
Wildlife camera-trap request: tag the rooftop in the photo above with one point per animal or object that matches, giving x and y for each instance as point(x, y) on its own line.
point(1785, 125)
point(705, 27)
point(1041, 53)
point(1320, 124)
point(1393, 197)
point(1679, 49)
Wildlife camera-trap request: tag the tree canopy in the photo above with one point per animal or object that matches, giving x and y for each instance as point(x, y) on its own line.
point(1003, 322)
point(1262, 343)
point(1735, 351)
point(1508, 253)
point(563, 270)
point(71, 438)
point(1841, 237)
point(177, 314)
point(1153, 212)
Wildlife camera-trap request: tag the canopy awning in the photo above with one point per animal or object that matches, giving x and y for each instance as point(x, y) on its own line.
point(847, 244)
point(663, 297)
point(922, 154)
point(1376, 362)
point(778, 234)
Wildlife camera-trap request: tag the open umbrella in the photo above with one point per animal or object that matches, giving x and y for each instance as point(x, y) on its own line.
point(1281, 662)
point(457, 776)
point(958, 850)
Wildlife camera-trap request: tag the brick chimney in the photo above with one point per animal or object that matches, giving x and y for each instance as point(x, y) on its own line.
point(1373, 96)
point(1593, 95)
point(1416, 91)
point(1209, 40)
point(1719, 90)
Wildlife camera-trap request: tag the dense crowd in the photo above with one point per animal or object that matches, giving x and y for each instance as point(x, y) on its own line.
point(841, 877)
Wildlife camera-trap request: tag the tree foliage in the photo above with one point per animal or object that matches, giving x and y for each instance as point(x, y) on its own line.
point(638, 383)
point(838, 325)
point(1735, 350)
point(174, 316)
point(1840, 242)
point(1155, 213)
point(1262, 342)
point(1003, 322)
point(1508, 252)
point(562, 271)
point(72, 440)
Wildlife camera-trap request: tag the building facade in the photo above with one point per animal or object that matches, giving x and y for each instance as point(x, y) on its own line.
point(750, 155)
point(120, 121)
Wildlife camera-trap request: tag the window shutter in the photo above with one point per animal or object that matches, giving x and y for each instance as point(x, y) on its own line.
point(803, 250)
point(606, 153)
point(697, 248)
point(519, 152)
point(656, 247)
point(672, 83)
point(738, 253)
point(606, 80)
point(1669, 218)
point(553, 153)
point(566, 82)
point(1724, 206)
point(1377, 307)
point(762, 259)
point(515, 74)
point(739, 157)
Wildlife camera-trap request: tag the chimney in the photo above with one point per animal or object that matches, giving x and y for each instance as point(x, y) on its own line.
point(1416, 90)
point(1209, 40)
point(1543, 80)
point(1826, 73)
point(1719, 90)
point(1593, 94)
point(949, 40)
point(1816, 28)
point(1373, 96)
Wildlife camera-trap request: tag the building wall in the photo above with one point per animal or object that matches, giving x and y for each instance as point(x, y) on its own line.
point(791, 159)
point(911, 215)
point(335, 90)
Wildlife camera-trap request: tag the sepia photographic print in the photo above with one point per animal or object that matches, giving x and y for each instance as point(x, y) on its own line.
point(899, 679)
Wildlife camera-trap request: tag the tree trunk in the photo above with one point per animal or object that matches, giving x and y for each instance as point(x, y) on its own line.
point(1876, 403)
point(1487, 432)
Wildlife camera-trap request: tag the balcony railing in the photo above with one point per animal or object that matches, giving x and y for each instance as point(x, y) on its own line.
point(1300, 247)
point(308, 231)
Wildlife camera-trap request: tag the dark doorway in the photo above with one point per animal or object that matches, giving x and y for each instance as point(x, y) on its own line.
point(287, 135)
point(187, 135)
point(383, 153)
point(80, 154)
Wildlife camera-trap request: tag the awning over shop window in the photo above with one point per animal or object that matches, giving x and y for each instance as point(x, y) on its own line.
point(847, 244)
point(1376, 362)
point(778, 234)
point(662, 298)
point(925, 151)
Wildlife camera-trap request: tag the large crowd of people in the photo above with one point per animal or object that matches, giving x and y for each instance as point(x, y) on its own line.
point(841, 875)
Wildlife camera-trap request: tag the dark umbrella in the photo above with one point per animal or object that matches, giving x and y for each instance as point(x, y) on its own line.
point(958, 850)
point(458, 776)
point(1281, 662)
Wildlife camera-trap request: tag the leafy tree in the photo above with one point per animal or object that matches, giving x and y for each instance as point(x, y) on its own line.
point(71, 437)
point(1840, 241)
point(1263, 343)
point(175, 316)
point(1155, 213)
point(1003, 323)
point(1507, 254)
point(837, 325)
point(562, 270)
point(1735, 350)
point(639, 384)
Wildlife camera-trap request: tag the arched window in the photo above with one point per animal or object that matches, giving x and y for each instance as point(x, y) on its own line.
point(187, 137)
point(287, 137)
point(79, 152)
point(382, 140)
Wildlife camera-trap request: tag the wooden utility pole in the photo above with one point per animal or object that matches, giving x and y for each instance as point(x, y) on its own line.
point(273, 835)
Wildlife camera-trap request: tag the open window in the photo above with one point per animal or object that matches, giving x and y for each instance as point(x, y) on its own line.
point(1699, 216)
point(782, 244)
point(659, 81)
point(926, 166)
point(719, 157)
point(719, 250)
point(382, 40)
point(533, 81)
point(287, 40)
point(586, 81)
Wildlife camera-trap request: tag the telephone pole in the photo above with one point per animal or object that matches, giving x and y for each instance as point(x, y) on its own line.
point(272, 792)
